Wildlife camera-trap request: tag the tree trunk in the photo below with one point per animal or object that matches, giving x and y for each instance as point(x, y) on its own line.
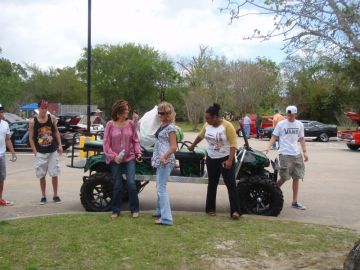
point(352, 261)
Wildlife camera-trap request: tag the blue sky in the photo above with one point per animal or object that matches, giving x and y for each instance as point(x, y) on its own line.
point(52, 33)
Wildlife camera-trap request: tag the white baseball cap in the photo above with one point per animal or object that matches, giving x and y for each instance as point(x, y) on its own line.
point(291, 109)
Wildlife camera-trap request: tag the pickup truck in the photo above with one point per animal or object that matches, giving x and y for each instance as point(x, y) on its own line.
point(351, 137)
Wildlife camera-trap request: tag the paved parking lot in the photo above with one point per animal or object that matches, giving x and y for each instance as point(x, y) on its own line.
point(330, 190)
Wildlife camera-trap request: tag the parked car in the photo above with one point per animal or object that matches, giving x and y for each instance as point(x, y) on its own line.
point(313, 130)
point(19, 134)
point(351, 137)
point(11, 118)
point(78, 123)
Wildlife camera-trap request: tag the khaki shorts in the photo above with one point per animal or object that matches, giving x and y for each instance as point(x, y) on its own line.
point(47, 163)
point(291, 167)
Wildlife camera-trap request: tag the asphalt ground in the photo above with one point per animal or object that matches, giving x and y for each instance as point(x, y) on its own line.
point(330, 189)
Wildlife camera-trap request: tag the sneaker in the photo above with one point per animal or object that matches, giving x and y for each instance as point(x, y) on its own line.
point(43, 201)
point(56, 199)
point(298, 205)
point(114, 215)
point(135, 214)
point(6, 203)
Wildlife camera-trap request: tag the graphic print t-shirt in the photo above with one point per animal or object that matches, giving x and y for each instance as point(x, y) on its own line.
point(289, 134)
point(219, 139)
point(44, 136)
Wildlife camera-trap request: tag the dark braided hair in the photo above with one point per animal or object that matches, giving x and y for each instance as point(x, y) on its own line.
point(213, 110)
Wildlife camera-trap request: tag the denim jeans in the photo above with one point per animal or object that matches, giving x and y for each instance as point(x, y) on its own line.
point(215, 168)
point(163, 204)
point(247, 131)
point(117, 170)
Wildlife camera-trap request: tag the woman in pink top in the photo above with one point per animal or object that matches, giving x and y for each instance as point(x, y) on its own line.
point(122, 148)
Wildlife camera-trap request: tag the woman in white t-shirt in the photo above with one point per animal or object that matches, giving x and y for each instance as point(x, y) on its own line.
point(221, 137)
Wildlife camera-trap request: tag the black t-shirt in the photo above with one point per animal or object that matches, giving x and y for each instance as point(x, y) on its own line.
point(44, 136)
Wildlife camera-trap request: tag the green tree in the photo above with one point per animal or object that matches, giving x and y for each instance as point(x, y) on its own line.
point(330, 26)
point(57, 85)
point(139, 74)
point(12, 77)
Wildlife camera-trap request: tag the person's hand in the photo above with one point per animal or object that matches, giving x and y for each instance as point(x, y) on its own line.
point(164, 160)
point(191, 148)
point(306, 158)
point(138, 157)
point(135, 116)
point(266, 150)
point(60, 150)
point(117, 159)
point(227, 164)
point(13, 157)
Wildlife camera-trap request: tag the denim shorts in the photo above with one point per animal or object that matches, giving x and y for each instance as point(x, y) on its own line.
point(291, 167)
point(47, 163)
point(2, 169)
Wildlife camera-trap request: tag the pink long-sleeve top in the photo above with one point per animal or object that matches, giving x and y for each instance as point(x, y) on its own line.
point(117, 139)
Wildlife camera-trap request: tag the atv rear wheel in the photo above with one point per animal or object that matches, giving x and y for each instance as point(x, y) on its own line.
point(96, 192)
point(259, 195)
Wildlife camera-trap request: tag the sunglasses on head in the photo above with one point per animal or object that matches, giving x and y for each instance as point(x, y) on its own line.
point(162, 113)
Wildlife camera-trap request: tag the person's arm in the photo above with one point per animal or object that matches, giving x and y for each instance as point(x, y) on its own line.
point(231, 136)
point(106, 144)
point(303, 147)
point(198, 139)
point(136, 141)
point(10, 147)
point(271, 142)
point(57, 135)
point(31, 136)
point(172, 148)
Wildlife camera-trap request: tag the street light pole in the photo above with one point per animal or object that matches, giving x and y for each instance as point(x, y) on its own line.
point(89, 68)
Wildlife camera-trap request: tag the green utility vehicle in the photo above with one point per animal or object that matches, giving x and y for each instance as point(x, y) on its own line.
point(256, 185)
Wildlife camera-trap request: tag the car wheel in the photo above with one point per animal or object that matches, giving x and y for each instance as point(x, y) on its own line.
point(324, 137)
point(353, 147)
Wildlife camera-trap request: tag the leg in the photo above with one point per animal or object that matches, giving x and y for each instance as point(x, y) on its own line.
point(162, 174)
point(2, 175)
point(295, 188)
point(117, 196)
point(229, 179)
point(1, 188)
point(55, 185)
point(133, 193)
point(43, 186)
point(214, 169)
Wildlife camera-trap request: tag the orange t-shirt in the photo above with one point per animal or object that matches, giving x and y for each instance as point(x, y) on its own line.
point(277, 118)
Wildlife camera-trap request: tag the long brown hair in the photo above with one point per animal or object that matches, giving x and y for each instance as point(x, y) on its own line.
point(118, 108)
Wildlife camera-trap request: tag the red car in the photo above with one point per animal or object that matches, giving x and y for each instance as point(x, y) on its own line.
point(351, 137)
point(266, 122)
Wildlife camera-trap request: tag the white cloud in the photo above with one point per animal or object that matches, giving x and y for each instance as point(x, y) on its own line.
point(53, 33)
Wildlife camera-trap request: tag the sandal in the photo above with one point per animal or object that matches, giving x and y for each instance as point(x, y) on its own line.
point(211, 213)
point(235, 215)
point(158, 222)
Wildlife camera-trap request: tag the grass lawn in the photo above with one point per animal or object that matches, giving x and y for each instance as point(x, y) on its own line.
point(94, 241)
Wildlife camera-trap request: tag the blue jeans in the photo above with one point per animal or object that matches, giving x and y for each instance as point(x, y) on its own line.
point(247, 130)
point(117, 170)
point(163, 204)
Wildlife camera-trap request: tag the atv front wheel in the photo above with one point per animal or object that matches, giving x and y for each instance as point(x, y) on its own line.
point(259, 195)
point(96, 192)
point(353, 147)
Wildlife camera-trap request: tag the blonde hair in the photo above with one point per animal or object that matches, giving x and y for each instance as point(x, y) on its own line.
point(169, 109)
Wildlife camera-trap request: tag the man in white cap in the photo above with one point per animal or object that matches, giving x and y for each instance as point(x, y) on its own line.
point(4, 141)
point(290, 131)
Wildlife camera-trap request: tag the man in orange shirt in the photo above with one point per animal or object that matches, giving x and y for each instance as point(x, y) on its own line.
point(276, 119)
